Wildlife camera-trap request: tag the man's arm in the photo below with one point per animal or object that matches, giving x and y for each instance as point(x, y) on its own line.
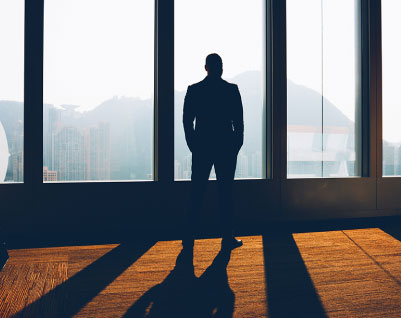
point(238, 119)
point(188, 118)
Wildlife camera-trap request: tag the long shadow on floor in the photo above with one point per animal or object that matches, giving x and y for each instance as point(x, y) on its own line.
point(182, 294)
point(289, 288)
point(68, 298)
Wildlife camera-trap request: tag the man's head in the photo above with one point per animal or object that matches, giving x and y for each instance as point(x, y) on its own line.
point(214, 65)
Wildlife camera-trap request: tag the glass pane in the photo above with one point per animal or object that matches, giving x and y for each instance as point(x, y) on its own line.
point(98, 90)
point(391, 51)
point(12, 91)
point(323, 94)
point(235, 30)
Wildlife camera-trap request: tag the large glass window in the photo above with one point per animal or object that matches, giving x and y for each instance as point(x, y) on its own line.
point(391, 52)
point(323, 88)
point(98, 90)
point(12, 91)
point(235, 30)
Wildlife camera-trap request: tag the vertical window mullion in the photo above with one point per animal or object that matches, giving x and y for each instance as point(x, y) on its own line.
point(33, 93)
point(164, 108)
point(368, 85)
point(279, 89)
point(375, 130)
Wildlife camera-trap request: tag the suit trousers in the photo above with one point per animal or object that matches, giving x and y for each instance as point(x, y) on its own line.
point(224, 160)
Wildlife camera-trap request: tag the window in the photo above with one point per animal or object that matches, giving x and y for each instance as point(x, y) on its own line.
point(12, 91)
point(391, 51)
point(235, 30)
point(323, 94)
point(98, 90)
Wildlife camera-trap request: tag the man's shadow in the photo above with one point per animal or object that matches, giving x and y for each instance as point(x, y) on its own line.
point(182, 294)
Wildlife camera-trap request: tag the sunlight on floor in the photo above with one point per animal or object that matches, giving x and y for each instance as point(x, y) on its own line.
point(350, 273)
point(246, 282)
point(344, 266)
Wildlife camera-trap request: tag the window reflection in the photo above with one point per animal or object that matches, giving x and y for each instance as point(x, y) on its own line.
point(323, 98)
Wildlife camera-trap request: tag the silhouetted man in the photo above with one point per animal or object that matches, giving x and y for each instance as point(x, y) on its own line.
point(216, 107)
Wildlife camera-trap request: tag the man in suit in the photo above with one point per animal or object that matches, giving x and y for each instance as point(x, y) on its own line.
point(216, 107)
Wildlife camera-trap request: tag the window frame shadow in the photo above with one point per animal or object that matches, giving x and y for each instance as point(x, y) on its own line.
point(290, 291)
point(68, 298)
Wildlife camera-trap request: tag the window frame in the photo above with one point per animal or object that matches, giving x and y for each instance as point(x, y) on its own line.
point(266, 144)
point(275, 197)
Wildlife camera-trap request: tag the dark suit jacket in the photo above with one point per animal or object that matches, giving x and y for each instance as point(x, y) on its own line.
point(216, 107)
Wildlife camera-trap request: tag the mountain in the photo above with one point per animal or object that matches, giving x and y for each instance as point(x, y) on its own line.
point(305, 108)
point(131, 121)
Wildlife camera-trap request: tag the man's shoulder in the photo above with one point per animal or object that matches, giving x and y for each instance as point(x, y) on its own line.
point(230, 85)
point(197, 85)
point(205, 85)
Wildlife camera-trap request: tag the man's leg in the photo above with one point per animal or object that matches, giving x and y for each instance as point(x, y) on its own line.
point(201, 166)
point(225, 170)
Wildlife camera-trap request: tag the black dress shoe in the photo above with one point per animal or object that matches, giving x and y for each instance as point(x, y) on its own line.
point(231, 243)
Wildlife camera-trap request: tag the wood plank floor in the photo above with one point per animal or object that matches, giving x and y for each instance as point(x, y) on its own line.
point(350, 273)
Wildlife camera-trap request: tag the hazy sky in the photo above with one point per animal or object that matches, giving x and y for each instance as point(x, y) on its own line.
point(12, 50)
point(313, 33)
point(231, 28)
point(96, 49)
point(391, 53)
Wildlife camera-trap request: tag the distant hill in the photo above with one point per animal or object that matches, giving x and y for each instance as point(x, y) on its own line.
point(303, 102)
point(132, 118)
point(124, 111)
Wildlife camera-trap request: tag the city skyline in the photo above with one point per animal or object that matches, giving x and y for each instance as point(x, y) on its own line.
point(126, 153)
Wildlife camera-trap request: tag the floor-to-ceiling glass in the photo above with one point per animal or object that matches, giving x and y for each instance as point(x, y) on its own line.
point(12, 91)
point(323, 88)
point(391, 52)
point(98, 90)
point(234, 29)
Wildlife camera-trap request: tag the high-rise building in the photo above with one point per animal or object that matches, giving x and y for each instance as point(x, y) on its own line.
point(177, 169)
point(48, 175)
point(98, 152)
point(70, 154)
point(242, 166)
point(187, 167)
point(17, 152)
point(256, 164)
point(54, 122)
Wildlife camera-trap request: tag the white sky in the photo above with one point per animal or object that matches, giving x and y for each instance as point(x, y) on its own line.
point(335, 75)
point(96, 49)
point(391, 55)
point(12, 50)
point(231, 28)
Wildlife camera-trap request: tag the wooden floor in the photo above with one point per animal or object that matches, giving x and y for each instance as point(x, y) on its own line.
point(351, 273)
